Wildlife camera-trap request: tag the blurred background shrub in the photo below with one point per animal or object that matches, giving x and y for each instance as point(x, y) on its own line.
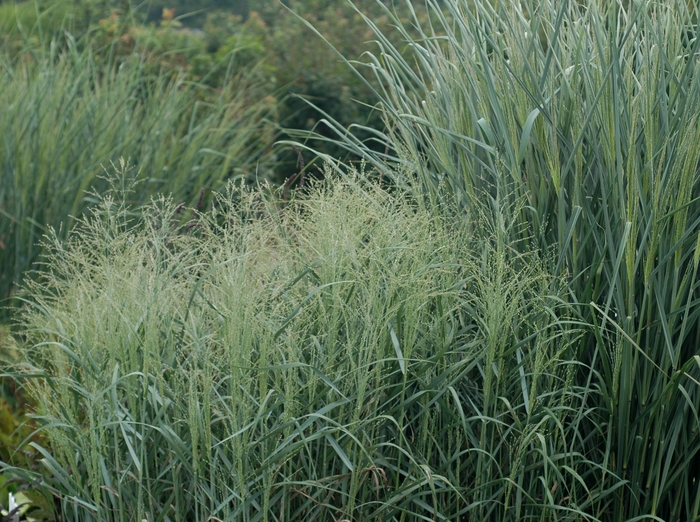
point(305, 71)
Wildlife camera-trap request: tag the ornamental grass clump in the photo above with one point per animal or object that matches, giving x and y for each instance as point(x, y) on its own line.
point(587, 111)
point(344, 355)
point(66, 112)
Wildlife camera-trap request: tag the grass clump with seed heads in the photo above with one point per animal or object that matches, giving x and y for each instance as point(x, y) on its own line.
point(347, 356)
point(506, 332)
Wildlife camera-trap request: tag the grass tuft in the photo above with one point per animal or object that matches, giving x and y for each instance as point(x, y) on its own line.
point(348, 355)
point(66, 114)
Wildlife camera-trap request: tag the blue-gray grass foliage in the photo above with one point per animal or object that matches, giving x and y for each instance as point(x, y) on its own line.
point(348, 356)
point(508, 333)
point(587, 111)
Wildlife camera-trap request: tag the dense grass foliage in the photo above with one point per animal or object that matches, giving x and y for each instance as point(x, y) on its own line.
point(65, 115)
point(348, 356)
point(588, 111)
point(20, 22)
point(503, 325)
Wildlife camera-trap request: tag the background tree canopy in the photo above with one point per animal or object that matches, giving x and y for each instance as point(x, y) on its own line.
point(199, 9)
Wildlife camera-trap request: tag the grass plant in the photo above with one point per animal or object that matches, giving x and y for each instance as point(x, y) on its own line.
point(350, 356)
point(588, 111)
point(32, 20)
point(69, 112)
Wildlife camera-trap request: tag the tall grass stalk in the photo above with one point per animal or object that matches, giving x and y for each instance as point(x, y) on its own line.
point(66, 113)
point(588, 111)
point(349, 357)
